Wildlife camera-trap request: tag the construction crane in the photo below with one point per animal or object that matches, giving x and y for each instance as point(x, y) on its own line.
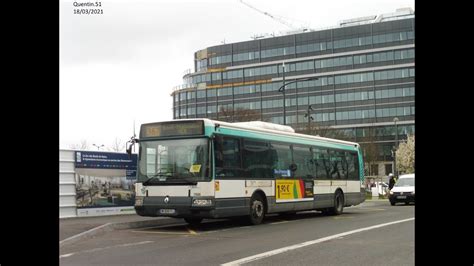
point(276, 18)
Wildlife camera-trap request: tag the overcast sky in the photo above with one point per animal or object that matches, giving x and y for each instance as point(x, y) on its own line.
point(121, 65)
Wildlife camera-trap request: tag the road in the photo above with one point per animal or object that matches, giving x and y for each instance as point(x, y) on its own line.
point(307, 238)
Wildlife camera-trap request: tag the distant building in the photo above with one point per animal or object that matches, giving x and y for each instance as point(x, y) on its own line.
point(366, 78)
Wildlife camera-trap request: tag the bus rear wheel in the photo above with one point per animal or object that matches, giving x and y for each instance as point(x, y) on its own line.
point(257, 209)
point(338, 204)
point(193, 221)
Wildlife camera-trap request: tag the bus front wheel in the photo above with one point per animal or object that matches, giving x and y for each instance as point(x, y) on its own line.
point(257, 209)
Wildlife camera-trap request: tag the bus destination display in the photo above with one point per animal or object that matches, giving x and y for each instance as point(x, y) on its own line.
point(169, 129)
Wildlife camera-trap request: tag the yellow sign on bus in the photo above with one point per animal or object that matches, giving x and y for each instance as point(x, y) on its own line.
point(293, 190)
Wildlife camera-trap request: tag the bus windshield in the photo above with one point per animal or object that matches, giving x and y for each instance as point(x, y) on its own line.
point(174, 161)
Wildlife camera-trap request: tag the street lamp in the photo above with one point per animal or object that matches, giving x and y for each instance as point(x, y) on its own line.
point(98, 146)
point(282, 89)
point(395, 120)
point(308, 115)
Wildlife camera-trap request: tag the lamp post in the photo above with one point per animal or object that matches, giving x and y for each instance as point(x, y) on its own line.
point(284, 95)
point(98, 146)
point(395, 120)
point(308, 115)
point(282, 89)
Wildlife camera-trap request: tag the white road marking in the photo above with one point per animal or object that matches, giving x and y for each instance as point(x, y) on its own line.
point(280, 222)
point(84, 233)
point(66, 255)
point(99, 249)
point(162, 232)
point(372, 209)
point(307, 243)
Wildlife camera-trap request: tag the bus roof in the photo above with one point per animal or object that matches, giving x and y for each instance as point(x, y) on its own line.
point(266, 127)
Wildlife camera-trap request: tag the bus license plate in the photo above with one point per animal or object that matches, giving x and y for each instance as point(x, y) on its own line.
point(167, 211)
point(401, 197)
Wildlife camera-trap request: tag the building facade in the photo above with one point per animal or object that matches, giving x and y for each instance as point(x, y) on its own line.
point(358, 78)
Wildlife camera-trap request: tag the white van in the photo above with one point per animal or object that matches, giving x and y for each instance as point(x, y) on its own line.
point(403, 190)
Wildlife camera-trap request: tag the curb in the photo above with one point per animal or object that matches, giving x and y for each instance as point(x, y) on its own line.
point(114, 226)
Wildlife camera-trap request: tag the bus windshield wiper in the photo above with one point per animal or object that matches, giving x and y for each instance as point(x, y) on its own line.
point(156, 177)
point(182, 180)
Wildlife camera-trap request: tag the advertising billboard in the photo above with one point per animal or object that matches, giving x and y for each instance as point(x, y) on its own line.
point(105, 179)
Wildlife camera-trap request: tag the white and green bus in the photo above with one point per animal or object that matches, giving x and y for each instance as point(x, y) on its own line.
point(201, 168)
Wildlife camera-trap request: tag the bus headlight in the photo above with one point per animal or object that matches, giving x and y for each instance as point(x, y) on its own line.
point(202, 202)
point(138, 201)
point(391, 192)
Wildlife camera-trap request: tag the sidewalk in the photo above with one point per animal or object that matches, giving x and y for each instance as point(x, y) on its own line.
point(73, 229)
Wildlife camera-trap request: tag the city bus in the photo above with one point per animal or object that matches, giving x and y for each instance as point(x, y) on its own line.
point(202, 168)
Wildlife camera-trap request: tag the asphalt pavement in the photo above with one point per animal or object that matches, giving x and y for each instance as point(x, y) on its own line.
point(217, 242)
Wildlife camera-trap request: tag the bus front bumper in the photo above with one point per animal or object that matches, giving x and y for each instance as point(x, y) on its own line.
point(178, 207)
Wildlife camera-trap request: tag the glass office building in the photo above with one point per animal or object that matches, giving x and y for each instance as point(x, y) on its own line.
point(365, 70)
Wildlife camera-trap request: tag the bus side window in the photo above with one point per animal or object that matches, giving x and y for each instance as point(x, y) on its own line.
point(257, 159)
point(227, 156)
point(354, 166)
point(339, 165)
point(282, 160)
point(322, 163)
point(302, 157)
point(219, 157)
point(334, 165)
point(350, 166)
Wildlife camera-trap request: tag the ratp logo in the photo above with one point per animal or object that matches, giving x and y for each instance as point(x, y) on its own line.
point(78, 157)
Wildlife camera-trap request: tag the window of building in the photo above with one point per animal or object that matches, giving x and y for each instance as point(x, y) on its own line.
point(211, 93)
point(201, 94)
point(201, 110)
point(374, 169)
point(224, 91)
point(211, 109)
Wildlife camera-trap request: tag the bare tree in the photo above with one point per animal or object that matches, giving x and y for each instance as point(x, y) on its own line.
point(238, 115)
point(117, 145)
point(83, 145)
point(317, 129)
point(226, 114)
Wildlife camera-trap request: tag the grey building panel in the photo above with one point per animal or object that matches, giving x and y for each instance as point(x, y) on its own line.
point(342, 33)
point(366, 87)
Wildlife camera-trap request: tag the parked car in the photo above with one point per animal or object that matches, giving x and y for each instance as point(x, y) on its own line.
point(403, 190)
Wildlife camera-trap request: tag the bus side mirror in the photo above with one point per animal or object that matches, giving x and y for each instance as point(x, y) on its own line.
point(293, 167)
point(132, 142)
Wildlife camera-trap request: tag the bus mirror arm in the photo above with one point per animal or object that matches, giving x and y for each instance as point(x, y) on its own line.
point(132, 142)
